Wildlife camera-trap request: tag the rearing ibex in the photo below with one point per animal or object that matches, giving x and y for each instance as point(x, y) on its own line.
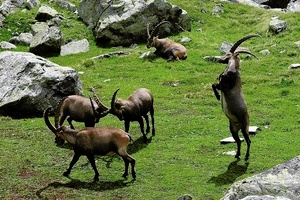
point(233, 102)
point(165, 48)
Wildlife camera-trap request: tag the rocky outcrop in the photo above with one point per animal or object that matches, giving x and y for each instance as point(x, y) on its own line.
point(284, 5)
point(276, 25)
point(280, 182)
point(48, 41)
point(75, 47)
point(7, 45)
point(10, 6)
point(125, 22)
point(22, 39)
point(29, 84)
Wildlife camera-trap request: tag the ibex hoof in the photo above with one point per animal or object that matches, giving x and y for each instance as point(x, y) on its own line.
point(96, 179)
point(246, 157)
point(145, 140)
point(134, 176)
point(125, 175)
point(66, 174)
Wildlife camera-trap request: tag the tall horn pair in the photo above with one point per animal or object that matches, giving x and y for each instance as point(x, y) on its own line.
point(155, 28)
point(239, 42)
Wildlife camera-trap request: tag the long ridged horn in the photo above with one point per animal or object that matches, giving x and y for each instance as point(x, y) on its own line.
point(239, 42)
point(112, 104)
point(99, 103)
point(246, 52)
point(148, 32)
point(47, 121)
point(93, 107)
point(157, 26)
point(57, 112)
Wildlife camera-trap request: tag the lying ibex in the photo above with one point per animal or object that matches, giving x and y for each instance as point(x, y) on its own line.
point(134, 109)
point(233, 102)
point(92, 141)
point(165, 48)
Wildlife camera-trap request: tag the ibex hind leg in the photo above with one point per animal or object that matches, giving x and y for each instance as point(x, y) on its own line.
point(147, 123)
point(128, 159)
point(126, 164)
point(152, 120)
point(92, 161)
point(248, 141)
point(141, 122)
point(234, 132)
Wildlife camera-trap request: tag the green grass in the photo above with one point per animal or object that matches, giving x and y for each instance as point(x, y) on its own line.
point(185, 156)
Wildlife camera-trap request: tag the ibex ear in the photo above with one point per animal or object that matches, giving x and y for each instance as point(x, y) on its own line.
point(118, 105)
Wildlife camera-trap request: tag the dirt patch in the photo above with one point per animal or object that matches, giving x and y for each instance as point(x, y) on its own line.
point(26, 173)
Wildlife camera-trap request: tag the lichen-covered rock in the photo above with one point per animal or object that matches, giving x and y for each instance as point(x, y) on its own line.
point(47, 41)
point(276, 25)
point(125, 22)
point(75, 47)
point(280, 182)
point(29, 84)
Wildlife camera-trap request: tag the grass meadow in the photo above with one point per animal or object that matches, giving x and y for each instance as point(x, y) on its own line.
point(185, 156)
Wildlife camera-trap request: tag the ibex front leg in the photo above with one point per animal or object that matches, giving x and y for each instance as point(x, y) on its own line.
point(215, 88)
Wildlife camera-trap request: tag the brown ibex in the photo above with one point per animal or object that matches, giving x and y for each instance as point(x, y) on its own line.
point(165, 48)
point(80, 109)
point(232, 98)
point(92, 141)
point(134, 109)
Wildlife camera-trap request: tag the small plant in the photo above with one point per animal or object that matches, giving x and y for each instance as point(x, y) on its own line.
point(88, 63)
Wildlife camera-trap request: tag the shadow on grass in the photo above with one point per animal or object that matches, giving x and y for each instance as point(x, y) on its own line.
point(138, 145)
point(95, 186)
point(234, 170)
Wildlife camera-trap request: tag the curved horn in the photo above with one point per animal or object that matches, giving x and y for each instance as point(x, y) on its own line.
point(57, 112)
point(246, 52)
point(99, 103)
point(47, 121)
point(112, 104)
point(156, 27)
point(92, 104)
point(148, 32)
point(239, 42)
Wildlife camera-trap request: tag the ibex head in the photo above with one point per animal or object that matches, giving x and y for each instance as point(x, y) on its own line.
point(234, 53)
point(151, 37)
point(117, 106)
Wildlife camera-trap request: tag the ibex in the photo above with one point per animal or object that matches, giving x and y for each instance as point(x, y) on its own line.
point(134, 109)
point(165, 48)
point(92, 141)
point(232, 98)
